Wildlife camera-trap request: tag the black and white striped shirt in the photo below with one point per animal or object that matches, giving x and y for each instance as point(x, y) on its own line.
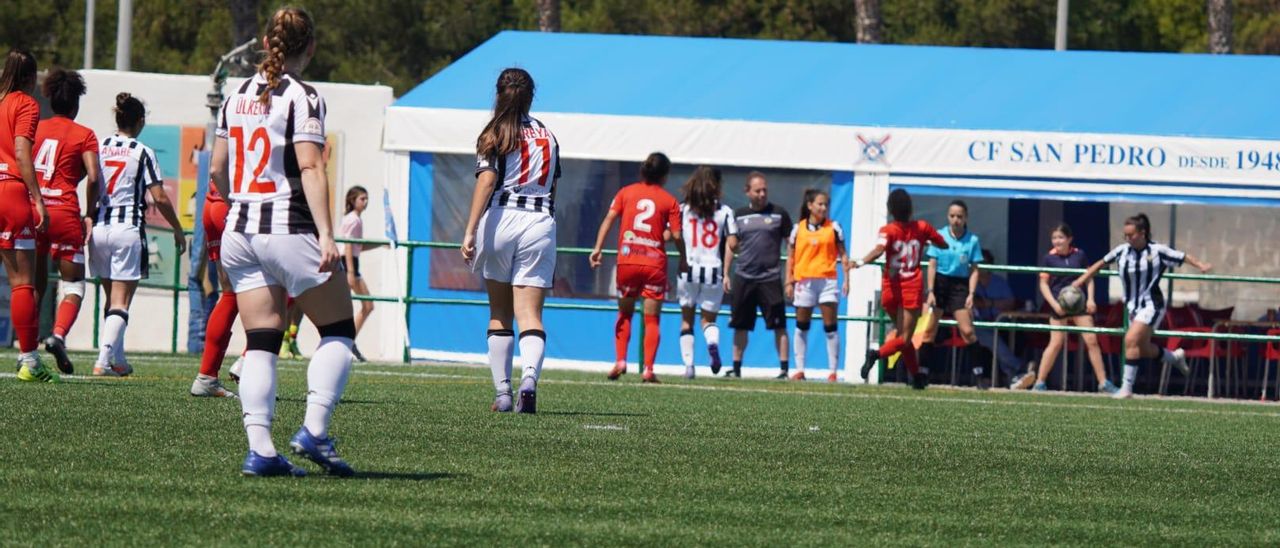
point(1141, 271)
point(129, 169)
point(527, 176)
point(266, 181)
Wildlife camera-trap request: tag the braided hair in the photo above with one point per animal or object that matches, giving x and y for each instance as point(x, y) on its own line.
point(290, 33)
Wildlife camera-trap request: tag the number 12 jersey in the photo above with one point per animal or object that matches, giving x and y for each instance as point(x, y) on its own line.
point(266, 182)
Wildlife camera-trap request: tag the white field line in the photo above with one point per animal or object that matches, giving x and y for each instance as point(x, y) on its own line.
point(857, 394)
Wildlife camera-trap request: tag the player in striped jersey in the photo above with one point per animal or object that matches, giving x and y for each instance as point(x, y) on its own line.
point(19, 199)
point(902, 241)
point(816, 247)
point(510, 237)
point(268, 162)
point(118, 246)
point(1142, 263)
point(706, 226)
point(66, 152)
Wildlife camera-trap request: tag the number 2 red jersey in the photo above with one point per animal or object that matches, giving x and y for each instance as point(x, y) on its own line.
point(646, 211)
point(59, 160)
point(266, 182)
point(903, 245)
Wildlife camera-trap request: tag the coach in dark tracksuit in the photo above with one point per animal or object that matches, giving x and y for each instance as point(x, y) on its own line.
point(763, 229)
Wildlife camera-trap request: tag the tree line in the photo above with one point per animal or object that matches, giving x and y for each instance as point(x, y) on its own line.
point(402, 42)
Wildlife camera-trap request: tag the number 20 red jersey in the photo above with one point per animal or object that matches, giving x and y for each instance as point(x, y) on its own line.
point(266, 183)
point(646, 210)
point(903, 245)
point(526, 176)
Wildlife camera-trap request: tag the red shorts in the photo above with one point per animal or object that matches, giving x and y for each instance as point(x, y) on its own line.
point(64, 238)
point(896, 294)
point(215, 221)
point(642, 281)
point(17, 216)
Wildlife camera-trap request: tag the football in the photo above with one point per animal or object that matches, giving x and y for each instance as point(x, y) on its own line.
point(1071, 299)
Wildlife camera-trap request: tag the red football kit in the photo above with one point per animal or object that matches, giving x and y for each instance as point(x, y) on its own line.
point(59, 161)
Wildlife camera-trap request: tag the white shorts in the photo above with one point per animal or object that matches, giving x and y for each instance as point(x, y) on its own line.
point(291, 261)
point(517, 247)
point(814, 291)
point(118, 252)
point(694, 294)
point(1149, 315)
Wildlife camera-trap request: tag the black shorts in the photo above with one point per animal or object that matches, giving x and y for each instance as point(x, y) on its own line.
point(766, 295)
point(950, 293)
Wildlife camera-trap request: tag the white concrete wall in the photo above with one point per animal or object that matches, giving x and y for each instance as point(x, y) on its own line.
point(356, 115)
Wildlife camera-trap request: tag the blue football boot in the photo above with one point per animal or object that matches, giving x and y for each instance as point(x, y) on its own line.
point(320, 451)
point(256, 465)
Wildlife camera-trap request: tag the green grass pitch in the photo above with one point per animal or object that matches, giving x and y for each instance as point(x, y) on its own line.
point(137, 461)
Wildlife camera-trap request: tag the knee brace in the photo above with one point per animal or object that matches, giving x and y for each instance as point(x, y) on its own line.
point(831, 328)
point(265, 340)
point(341, 328)
point(803, 326)
point(71, 288)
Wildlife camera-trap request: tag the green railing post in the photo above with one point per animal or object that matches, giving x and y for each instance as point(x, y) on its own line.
point(408, 293)
point(97, 310)
point(640, 342)
point(177, 277)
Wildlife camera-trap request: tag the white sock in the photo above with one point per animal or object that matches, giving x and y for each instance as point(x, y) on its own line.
point(686, 348)
point(326, 379)
point(500, 353)
point(802, 347)
point(1166, 356)
point(833, 350)
point(112, 331)
point(258, 399)
point(1130, 375)
point(712, 333)
point(533, 349)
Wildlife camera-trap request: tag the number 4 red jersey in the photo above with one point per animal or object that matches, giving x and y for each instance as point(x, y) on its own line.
point(526, 176)
point(647, 210)
point(903, 244)
point(59, 161)
point(266, 182)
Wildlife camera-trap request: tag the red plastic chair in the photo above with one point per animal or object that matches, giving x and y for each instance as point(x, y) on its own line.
point(1209, 317)
point(1271, 353)
point(1197, 351)
point(1111, 345)
point(954, 342)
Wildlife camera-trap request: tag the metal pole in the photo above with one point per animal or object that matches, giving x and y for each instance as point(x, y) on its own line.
point(1060, 35)
point(89, 12)
point(408, 292)
point(124, 35)
point(177, 278)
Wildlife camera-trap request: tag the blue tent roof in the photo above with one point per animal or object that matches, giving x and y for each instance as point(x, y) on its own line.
point(1230, 96)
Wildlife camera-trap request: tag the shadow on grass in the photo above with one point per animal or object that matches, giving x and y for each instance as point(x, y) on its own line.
point(343, 402)
point(409, 476)
point(591, 414)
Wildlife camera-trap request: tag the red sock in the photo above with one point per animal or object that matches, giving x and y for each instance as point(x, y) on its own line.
point(651, 337)
point(217, 334)
point(67, 312)
point(25, 316)
point(892, 346)
point(621, 336)
point(909, 359)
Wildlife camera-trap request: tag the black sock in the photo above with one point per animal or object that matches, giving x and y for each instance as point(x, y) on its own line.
point(924, 355)
point(785, 365)
point(737, 368)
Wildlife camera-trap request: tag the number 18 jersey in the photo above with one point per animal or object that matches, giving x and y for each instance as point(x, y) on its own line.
point(526, 176)
point(704, 242)
point(266, 182)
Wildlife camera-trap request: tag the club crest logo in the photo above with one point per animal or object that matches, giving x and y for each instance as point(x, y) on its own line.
point(874, 150)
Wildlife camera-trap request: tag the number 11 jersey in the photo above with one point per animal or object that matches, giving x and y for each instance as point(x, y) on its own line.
point(266, 182)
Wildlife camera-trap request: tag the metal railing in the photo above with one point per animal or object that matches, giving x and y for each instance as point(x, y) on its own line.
point(407, 298)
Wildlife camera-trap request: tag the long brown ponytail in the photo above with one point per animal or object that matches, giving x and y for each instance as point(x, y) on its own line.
point(290, 33)
point(19, 72)
point(514, 99)
point(702, 191)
